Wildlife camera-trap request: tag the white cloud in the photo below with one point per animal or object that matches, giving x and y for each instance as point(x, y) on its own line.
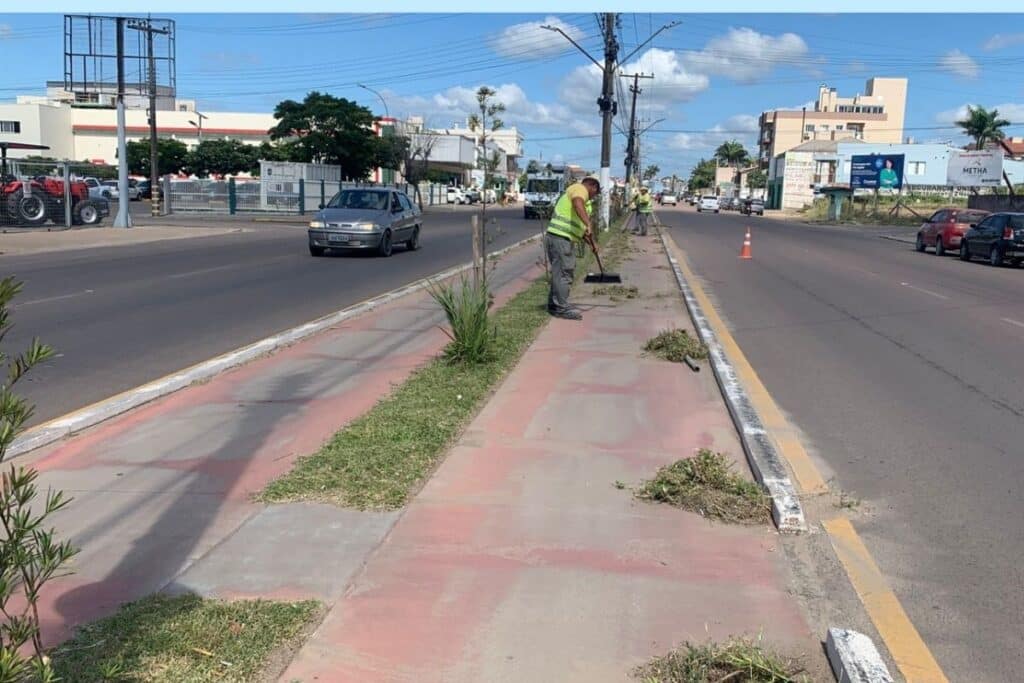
point(744, 55)
point(740, 127)
point(5, 31)
point(672, 83)
point(455, 104)
point(1011, 111)
point(530, 41)
point(959, 64)
point(1001, 40)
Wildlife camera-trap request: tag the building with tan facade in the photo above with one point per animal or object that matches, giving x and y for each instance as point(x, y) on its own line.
point(876, 115)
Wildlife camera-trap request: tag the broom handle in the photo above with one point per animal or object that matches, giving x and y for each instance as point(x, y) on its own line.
point(593, 248)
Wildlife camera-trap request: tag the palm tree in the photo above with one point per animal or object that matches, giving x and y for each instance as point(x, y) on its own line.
point(983, 125)
point(732, 154)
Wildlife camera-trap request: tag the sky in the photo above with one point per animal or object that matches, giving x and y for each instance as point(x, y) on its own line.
point(713, 73)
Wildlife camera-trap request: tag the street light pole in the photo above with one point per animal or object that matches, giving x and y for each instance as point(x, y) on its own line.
point(199, 125)
point(382, 101)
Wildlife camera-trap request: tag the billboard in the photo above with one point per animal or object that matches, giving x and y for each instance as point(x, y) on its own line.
point(876, 171)
point(975, 169)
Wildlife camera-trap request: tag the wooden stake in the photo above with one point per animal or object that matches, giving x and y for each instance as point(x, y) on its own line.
point(477, 250)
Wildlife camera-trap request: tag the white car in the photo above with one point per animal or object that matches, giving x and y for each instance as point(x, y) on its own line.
point(455, 195)
point(110, 190)
point(669, 198)
point(708, 203)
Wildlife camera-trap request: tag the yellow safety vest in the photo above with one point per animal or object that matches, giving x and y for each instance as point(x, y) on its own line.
point(564, 221)
point(643, 203)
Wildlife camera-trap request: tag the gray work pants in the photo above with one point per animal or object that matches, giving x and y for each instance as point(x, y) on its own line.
point(562, 264)
point(642, 222)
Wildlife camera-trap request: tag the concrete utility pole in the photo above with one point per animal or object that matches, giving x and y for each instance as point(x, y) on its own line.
point(123, 219)
point(154, 156)
point(606, 102)
point(631, 151)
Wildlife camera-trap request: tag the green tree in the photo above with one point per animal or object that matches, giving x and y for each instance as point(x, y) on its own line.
point(732, 154)
point(703, 175)
point(222, 157)
point(391, 151)
point(30, 554)
point(757, 179)
point(651, 172)
point(533, 166)
point(329, 130)
point(483, 122)
point(983, 126)
point(172, 156)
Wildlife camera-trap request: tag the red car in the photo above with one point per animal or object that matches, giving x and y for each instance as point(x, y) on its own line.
point(946, 228)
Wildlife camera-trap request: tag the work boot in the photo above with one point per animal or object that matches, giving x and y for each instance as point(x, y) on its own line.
point(567, 314)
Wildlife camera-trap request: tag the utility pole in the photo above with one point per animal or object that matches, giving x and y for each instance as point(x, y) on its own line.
point(146, 25)
point(606, 103)
point(631, 150)
point(123, 219)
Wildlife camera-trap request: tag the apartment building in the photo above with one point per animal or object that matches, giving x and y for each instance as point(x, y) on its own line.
point(876, 115)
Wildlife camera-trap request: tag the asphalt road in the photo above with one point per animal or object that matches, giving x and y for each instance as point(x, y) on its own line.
point(122, 316)
point(904, 372)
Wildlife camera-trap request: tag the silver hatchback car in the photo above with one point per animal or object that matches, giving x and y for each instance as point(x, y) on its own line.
point(372, 218)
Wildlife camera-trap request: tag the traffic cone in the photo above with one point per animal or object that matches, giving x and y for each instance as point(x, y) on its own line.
point(745, 251)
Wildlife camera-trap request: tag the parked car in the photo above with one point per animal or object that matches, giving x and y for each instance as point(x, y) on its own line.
point(456, 195)
point(752, 206)
point(472, 195)
point(366, 218)
point(708, 202)
point(998, 237)
point(96, 188)
point(946, 227)
point(145, 191)
point(110, 190)
point(668, 198)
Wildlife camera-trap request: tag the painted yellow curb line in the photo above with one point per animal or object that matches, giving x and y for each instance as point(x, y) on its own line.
point(786, 441)
point(912, 656)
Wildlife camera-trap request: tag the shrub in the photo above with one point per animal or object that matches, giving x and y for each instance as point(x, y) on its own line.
point(467, 307)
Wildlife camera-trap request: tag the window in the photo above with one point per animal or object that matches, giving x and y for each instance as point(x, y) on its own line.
point(406, 204)
point(939, 217)
point(839, 126)
point(396, 206)
point(10, 126)
point(809, 128)
point(916, 168)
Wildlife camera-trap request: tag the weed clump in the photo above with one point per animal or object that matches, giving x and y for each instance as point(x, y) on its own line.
point(467, 308)
point(736, 661)
point(706, 484)
point(675, 345)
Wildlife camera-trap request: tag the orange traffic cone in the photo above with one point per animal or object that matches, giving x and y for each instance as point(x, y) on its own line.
point(745, 251)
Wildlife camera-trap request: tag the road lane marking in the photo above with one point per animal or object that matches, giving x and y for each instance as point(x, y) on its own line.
point(924, 291)
point(229, 266)
point(912, 656)
point(909, 651)
point(1012, 322)
point(48, 299)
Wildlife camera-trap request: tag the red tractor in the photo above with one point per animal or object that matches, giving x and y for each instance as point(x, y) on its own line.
point(32, 202)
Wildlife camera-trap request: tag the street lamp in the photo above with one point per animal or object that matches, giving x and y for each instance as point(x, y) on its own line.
point(366, 87)
point(199, 125)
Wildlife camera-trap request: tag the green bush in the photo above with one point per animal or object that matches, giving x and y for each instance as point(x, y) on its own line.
point(467, 307)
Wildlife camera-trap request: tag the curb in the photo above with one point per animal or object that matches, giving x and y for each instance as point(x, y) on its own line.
point(764, 460)
point(89, 416)
point(854, 658)
point(895, 238)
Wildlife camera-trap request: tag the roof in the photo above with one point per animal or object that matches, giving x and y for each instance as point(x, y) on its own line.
point(176, 130)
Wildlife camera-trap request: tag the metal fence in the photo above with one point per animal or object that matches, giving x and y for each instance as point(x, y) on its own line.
point(49, 195)
point(235, 196)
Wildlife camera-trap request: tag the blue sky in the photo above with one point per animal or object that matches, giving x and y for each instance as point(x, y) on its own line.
point(713, 73)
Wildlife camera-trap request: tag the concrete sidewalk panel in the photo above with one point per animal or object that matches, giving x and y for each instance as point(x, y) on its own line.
point(305, 549)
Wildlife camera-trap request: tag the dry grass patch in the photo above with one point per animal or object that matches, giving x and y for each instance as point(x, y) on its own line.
point(737, 661)
point(675, 345)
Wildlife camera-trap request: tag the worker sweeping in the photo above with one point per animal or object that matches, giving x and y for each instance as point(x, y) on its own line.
point(643, 204)
point(568, 228)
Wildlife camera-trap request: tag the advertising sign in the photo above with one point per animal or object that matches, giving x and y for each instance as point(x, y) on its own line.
point(975, 169)
point(876, 171)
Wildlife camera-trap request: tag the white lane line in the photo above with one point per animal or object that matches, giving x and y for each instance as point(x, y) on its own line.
point(52, 298)
point(925, 291)
point(1012, 322)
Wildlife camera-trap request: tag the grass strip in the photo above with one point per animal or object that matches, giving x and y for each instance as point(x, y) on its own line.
point(674, 345)
point(183, 639)
point(706, 484)
point(380, 459)
point(737, 661)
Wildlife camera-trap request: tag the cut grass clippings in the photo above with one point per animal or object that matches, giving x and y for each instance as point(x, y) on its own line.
point(737, 661)
point(675, 345)
point(617, 292)
point(706, 484)
point(380, 459)
point(183, 638)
